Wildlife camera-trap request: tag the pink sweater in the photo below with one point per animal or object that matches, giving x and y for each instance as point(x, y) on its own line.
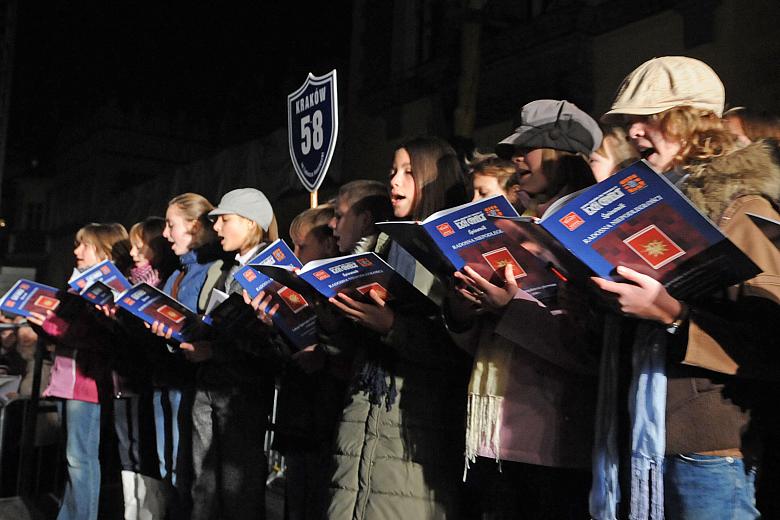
point(68, 378)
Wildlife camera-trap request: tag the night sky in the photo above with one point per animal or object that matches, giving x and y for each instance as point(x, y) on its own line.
point(231, 67)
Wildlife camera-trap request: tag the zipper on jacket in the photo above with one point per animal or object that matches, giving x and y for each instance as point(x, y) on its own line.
point(372, 451)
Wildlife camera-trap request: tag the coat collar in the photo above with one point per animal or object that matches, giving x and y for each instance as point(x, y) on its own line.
point(713, 185)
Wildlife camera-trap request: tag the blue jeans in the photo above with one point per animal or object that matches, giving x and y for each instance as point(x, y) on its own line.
point(166, 403)
point(705, 487)
point(173, 428)
point(82, 452)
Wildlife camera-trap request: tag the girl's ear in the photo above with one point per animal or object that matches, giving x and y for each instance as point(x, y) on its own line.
point(196, 226)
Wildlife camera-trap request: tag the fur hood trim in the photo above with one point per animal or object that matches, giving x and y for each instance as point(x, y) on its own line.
point(713, 185)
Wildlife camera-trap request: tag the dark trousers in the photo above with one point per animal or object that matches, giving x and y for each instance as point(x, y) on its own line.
point(525, 491)
point(306, 483)
point(229, 461)
point(135, 433)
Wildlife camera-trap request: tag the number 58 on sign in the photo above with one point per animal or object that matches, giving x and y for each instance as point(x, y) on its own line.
point(312, 128)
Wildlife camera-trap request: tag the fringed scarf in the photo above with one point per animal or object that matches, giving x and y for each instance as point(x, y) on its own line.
point(647, 407)
point(487, 388)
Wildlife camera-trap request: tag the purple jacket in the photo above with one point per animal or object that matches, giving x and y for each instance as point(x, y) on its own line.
point(549, 403)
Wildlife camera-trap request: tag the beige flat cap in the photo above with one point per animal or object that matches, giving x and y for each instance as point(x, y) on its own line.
point(663, 83)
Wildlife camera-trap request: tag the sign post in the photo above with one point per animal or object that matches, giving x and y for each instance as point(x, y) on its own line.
point(312, 129)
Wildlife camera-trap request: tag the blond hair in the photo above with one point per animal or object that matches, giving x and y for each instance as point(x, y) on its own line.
point(195, 209)
point(110, 240)
point(313, 220)
point(258, 234)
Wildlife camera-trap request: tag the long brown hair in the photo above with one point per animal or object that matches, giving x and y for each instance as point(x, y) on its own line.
point(437, 173)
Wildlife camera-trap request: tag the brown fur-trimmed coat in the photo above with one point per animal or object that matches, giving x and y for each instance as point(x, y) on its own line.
point(726, 188)
point(735, 333)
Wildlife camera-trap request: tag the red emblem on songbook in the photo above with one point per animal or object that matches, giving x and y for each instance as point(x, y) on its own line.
point(171, 313)
point(383, 293)
point(654, 246)
point(498, 259)
point(493, 210)
point(294, 301)
point(445, 229)
point(572, 221)
point(633, 183)
point(46, 302)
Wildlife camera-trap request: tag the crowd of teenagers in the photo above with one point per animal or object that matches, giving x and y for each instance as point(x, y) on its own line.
point(491, 407)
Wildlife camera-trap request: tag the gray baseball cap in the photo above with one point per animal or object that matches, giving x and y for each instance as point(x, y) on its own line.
point(550, 123)
point(247, 202)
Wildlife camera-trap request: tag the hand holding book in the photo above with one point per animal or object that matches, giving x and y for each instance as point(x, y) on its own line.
point(261, 304)
point(159, 329)
point(375, 315)
point(648, 299)
point(488, 295)
point(37, 318)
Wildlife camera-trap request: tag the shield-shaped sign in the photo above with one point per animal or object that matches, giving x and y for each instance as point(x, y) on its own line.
point(312, 127)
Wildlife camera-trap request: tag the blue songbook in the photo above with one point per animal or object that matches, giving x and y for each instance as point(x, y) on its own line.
point(637, 219)
point(278, 253)
point(27, 296)
point(294, 317)
point(151, 304)
point(98, 293)
point(105, 272)
point(454, 238)
point(354, 275)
